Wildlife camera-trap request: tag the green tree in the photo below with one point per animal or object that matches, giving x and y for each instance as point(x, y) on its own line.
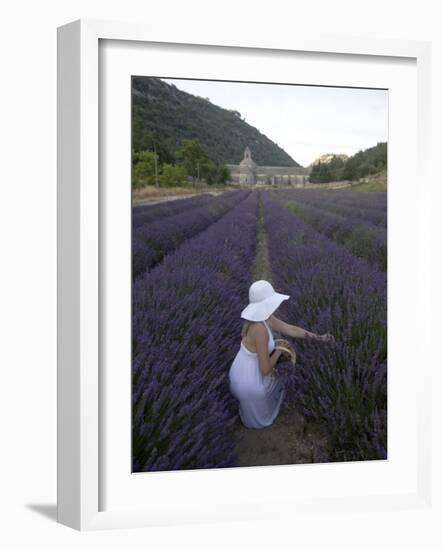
point(215, 174)
point(350, 171)
point(143, 169)
point(336, 166)
point(193, 156)
point(315, 173)
point(172, 175)
point(325, 174)
point(144, 139)
point(223, 174)
point(208, 172)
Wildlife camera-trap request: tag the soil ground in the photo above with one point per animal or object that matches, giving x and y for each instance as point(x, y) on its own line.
point(290, 439)
point(151, 194)
point(165, 198)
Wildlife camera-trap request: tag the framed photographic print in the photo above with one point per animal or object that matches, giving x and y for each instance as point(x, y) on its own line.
point(237, 231)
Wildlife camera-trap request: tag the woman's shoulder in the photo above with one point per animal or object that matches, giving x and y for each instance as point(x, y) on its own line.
point(258, 328)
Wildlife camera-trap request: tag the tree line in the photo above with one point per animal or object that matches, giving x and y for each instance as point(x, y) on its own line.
point(362, 164)
point(152, 164)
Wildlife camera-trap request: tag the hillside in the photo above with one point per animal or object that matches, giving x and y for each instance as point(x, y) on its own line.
point(337, 168)
point(170, 115)
point(367, 162)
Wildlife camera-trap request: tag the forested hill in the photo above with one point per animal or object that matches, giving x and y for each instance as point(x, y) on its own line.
point(339, 167)
point(165, 115)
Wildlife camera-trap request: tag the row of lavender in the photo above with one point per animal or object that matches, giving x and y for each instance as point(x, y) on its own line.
point(150, 212)
point(363, 238)
point(367, 201)
point(183, 412)
point(342, 384)
point(151, 241)
point(357, 206)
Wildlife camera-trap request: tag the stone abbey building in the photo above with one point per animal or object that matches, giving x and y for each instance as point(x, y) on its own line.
point(247, 172)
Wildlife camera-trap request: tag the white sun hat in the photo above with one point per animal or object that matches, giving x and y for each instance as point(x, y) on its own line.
point(263, 301)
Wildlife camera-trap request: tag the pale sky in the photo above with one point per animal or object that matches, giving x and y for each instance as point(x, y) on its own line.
point(305, 121)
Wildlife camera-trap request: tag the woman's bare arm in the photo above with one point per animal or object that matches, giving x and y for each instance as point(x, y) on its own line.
point(266, 362)
point(294, 331)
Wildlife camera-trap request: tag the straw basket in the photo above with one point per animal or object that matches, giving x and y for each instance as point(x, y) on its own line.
point(288, 353)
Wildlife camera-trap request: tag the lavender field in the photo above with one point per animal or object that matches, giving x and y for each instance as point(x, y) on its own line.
point(193, 262)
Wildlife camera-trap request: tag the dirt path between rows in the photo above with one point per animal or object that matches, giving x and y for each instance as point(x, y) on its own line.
point(167, 198)
point(290, 439)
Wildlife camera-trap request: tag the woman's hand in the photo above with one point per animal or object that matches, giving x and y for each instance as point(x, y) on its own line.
point(282, 342)
point(321, 337)
point(326, 337)
point(287, 351)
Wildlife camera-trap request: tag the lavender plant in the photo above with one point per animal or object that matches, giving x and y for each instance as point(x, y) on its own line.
point(357, 206)
point(151, 241)
point(150, 212)
point(341, 384)
point(364, 239)
point(186, 326)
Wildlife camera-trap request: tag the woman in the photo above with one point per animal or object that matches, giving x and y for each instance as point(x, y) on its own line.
point(251, 376)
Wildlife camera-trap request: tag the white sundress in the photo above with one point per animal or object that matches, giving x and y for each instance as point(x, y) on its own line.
point(260, 396)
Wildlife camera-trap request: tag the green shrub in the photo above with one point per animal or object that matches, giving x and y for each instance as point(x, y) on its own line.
point(143, 169)
point(172, 175)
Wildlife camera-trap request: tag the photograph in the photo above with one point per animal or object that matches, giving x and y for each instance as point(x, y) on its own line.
point(259, 274)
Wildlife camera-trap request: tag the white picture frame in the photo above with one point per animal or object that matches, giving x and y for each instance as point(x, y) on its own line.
point(79, 274)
